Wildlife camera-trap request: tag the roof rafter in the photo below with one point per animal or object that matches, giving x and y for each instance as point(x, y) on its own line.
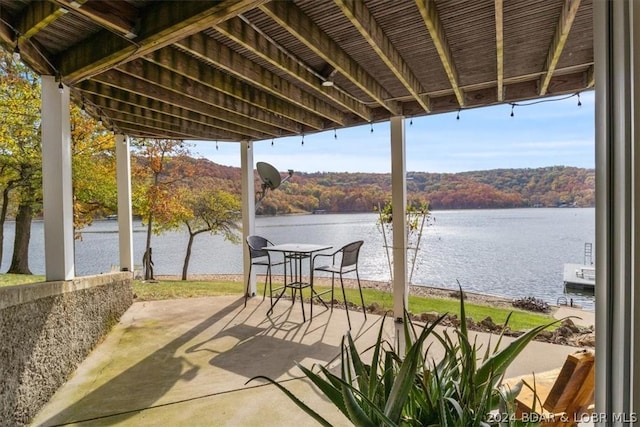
point(431, 19)
point(246, 36)
point(118, 17)
point(117, 111)
point(197, 78)
point(569, 11)
point(171, 113)
point(162, 24)
point(361, 18)
point(37, 16)
point(215, 53)
point(30, 51)
point(292, 19)
point(252, 118)
point(499, 17)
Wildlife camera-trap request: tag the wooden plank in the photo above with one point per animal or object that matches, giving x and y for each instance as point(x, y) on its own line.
point(499, 17)
point(431, 19)
point(292, 19)
point(209, 79)
point(161, 23)
point(260, 45)
point(37, 16)
point(574, 373)
point(230, 110)
point(569, 11)
point(118, 16)
point(210, 51)
point(361, 19)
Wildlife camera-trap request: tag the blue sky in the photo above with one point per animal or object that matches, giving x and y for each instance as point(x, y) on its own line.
point(543, 134)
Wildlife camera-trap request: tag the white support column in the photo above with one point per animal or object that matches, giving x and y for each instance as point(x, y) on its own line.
point(125, 222)
point(56, 182)
point(617, 67)
point(399, 207)
point(248, 210)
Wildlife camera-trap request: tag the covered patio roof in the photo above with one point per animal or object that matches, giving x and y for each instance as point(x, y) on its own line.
point(254, 69)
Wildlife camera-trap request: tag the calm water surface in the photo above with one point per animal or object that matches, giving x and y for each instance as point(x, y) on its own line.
point(512, 252)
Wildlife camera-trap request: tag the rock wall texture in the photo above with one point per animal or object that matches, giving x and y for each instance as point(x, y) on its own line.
point(46, 330)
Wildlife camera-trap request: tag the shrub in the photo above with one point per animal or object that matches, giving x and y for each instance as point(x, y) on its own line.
point(461, 389)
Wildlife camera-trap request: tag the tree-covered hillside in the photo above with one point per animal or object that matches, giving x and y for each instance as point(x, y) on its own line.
point(361, 192)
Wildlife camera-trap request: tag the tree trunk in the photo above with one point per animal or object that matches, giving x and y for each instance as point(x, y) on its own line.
point(20, 259)
point(3, 217)
point(147, 262)
point(185, 266)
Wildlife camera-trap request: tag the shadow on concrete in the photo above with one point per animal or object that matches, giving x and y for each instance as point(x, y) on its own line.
point(138, 387)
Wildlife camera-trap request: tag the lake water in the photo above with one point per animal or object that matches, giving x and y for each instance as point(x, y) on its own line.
point(509, 252)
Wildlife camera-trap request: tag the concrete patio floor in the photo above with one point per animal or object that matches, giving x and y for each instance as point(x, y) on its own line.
point(187, 361)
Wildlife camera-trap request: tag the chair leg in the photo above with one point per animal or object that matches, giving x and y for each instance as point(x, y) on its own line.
point(344, 297)
point(333, 276)
point(364, 310)
point(268, 277)
point(246, 291)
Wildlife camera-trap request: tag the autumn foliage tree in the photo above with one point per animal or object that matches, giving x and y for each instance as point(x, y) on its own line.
point(159, 172)
point(20, 152)
point(212, 211)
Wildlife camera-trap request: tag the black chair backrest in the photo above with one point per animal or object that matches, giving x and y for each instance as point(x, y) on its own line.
point(350, 253)
point(256, 243)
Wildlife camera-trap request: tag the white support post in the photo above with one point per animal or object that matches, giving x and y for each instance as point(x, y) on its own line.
point(125, 222)
point(56, 182)
point(399, 207)
point(617, 74)
point(248, 210)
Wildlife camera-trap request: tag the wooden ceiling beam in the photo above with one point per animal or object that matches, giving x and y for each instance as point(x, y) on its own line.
point(172, 114)
point(115, 109)
point(37, 16)
point(161, 23)
point(212, 52)
point(187, 98)
point(431, 19)
point(361, 19)
point(292, 19)
point(499, 20)
point(568, 14)
point(257, 43)
point(29, 51)
point(197, 77)
point(119, 17)
point(138, 130)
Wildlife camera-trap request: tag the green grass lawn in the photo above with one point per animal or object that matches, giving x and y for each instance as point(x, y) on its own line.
point(19, 279)
point(167, 289)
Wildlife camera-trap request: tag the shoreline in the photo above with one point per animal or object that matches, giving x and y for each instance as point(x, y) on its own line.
point(385, 286)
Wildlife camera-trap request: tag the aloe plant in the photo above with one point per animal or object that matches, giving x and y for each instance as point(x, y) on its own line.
point(412, 389)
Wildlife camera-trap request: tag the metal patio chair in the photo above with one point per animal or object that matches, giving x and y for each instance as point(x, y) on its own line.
point(260, 257)
point(343, 261)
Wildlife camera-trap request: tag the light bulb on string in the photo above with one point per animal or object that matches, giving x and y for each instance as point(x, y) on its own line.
point(458, 115)
point(272, 142)
point(335, 134)
point(512, 107)
point(302, 142)
point(216, 145)
point(371, 127)
point(16, 52)
point(411, 121)
point(579, 103)
point(60, 88)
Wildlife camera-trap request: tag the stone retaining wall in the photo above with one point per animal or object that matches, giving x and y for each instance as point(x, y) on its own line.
point(46, 330)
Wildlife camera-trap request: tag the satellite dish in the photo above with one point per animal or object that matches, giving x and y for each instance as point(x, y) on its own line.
point(269, 175)
point(270, 178)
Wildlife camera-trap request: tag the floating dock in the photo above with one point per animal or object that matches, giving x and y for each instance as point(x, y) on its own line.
point(580, 276)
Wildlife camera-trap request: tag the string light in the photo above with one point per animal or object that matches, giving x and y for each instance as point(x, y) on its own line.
point(335, 134)
point(512, 107)
point(371, 127)
point(60, 88)
point(216, 145)
point(411, 121)
point(302, 143)
point(515, 104)
point(579, 103)
point(272, 142)
point(458, 115)
point(16, 52)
